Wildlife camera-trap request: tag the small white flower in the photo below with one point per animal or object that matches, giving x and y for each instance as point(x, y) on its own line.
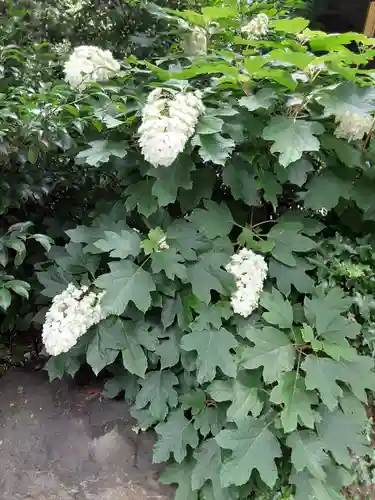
point(168, 121)
point(195, 42)
point(72, 313)
point(250, 271)
point(257, 27)
point(353, 126)
point(90, 64)
point(323, 212)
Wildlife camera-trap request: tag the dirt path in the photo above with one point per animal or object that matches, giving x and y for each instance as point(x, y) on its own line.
point(61, 443)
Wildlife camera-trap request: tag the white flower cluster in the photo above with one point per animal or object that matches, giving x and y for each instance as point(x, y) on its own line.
point(89, 64)
point(195, 42)
point(168, 121)
point(257, 27)
point(250, 271)
point(72, 313)
point(353, 126)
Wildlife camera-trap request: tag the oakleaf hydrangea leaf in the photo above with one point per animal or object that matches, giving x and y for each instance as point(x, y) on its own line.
point(204, 276)
point(296, 400)
point(286, 276)
point(262, 99)
point(105, 344)
point(169, 180)
point(208, 457)
point(292, 137)
point(288, 239)
point(180, 474)
point(280, 312)
point(240, 178)
point(209, 420)
point(325, 190)
point(100, 151)
point(214, 148)
point(170, 262)
point(243, 394)
point(341, 435)
point(253, 446)
point(125, 283)
point(215, 220)
point(157, 390)
point(120, 245)
point(323, 373)
point(348, 97)
point(213, 347)
point(308, 453)
point(175, 435)
point(272, 350)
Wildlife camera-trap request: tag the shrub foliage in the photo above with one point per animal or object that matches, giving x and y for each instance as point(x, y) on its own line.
point(243, 407)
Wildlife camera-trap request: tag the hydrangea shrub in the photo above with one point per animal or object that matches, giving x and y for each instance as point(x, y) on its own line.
point(224, 320)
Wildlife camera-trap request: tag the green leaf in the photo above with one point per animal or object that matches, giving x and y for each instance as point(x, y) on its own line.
point(185, 238)
point(180, 474)
point(339, 434)
point(125, 283)
point(209, 125)
point(209, 420)
point(105, 344)
point(133, 356)
point(243, 394)
point(213, 221)
point(214, 148)
point(120, 245)
point(272, 350)
point(292, 137)
point(296, 172)
point(286, 276)
point(206, 275)
point(324, 313)
point(43, 240)
point(211, 315)
point(323, 373)
point(299, 59)
point(169, 180)
point(58, 366)
point(157, 389)
point(348, 97)
point(308, 487)
point(119, 383)
point(293, 25)
point(325, 190)
point(140, 196)
point(176, 434)
point(280, 312)
point(288, 240)
point(262, 99)
point(213, 347)
point(5, 299)
point(221, 12)
point(296, 400)
point(253, 446)
point(19, 287)
point(240, 178)
point(170, 262)
point(308, 453)
point(169, 349)
point(100, 151)
point(208, 457)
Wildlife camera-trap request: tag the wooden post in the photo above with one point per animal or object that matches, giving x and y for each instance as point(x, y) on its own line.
point(369, 28)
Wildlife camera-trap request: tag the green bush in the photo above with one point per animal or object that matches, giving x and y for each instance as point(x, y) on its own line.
point(280, 163)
